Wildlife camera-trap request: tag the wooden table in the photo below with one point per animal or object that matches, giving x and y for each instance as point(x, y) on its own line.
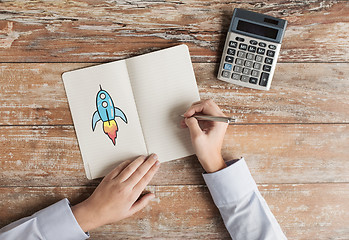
point(295, 137)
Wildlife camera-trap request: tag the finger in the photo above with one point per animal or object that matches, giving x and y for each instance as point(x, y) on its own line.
point(142, 170)
point(198, 102)
point(142, 202)
point(130, 169)
point(194, 127)
point(195, 104)
point(207, 107)
point(193, 109)
point(143, 182)
point(210, 105)
point(117, 170)
point(183, 125)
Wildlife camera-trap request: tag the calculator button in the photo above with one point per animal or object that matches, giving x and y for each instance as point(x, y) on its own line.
point(241, 54)
point(260, 50)
point(239, 61)
point(253, 42)
point(245, 78)
point(237, 69)
point(240, 39)
point(253, 80)
point(262, 44)
point(270, 53)
point(233, 44)
point(225, 74)
point(255, 73)
point(250, 56)
point(231, 51)
point(259, 58)
point(248, 64)
point(257, 66)
point(235, 76)
point(264, 79)
point(268, 60)
point(246, 71)
point(273, 47)
point(227, 66)
point(266, 68)
point(252, 48)
point(229, 59)
point(242, 46)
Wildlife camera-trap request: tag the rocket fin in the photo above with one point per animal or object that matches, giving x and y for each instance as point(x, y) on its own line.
point(95, 119)
point(121, 114)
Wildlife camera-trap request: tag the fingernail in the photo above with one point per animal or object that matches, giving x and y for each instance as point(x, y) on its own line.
point(155, 156)
point(157, 163)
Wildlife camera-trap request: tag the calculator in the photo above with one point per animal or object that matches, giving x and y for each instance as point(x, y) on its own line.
point(251, 49)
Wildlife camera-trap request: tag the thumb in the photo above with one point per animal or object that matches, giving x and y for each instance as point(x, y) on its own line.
point(193, 126)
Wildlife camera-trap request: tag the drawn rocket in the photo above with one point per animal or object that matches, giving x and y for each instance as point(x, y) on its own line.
point(107, 112)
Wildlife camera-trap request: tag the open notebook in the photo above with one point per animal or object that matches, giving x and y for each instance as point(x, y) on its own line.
point(132, 107)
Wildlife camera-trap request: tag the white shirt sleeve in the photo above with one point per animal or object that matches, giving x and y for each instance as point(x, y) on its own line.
point(245, 213)
point(56, 222)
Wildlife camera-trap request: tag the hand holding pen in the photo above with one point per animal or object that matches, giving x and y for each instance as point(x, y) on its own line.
point(207, 138)
point(228, 120)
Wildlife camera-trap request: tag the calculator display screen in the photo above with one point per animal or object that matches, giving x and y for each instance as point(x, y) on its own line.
point(257, 29)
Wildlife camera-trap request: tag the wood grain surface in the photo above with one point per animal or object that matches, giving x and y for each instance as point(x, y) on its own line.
point(294, 137)
point(33, 94)
point(64, 31)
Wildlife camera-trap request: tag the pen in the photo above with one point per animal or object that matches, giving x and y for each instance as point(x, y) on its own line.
point(228, 120)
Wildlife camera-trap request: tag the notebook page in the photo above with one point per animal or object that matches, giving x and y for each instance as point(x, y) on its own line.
point(164, 86)
point(98, 151)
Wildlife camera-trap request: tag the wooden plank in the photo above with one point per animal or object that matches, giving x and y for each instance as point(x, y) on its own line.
point(39, 89)
point(291, 153)
point(304, 211)
point(300, 93)
point(314, 211)
point(274, 153)
point(56, 31)
point(33, 94)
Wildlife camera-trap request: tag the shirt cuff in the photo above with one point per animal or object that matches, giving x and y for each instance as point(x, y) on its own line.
point(230, 184)
point(58, 222)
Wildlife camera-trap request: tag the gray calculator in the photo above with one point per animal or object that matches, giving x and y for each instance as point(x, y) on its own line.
point(251, 49)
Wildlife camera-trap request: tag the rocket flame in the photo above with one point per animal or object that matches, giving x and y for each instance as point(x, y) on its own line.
point(110, 128)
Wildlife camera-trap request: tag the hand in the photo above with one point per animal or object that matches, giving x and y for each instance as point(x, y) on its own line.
point(207, 140)
point(117, 196)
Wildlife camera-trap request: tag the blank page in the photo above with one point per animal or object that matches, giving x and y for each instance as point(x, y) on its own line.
point(164, 86)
